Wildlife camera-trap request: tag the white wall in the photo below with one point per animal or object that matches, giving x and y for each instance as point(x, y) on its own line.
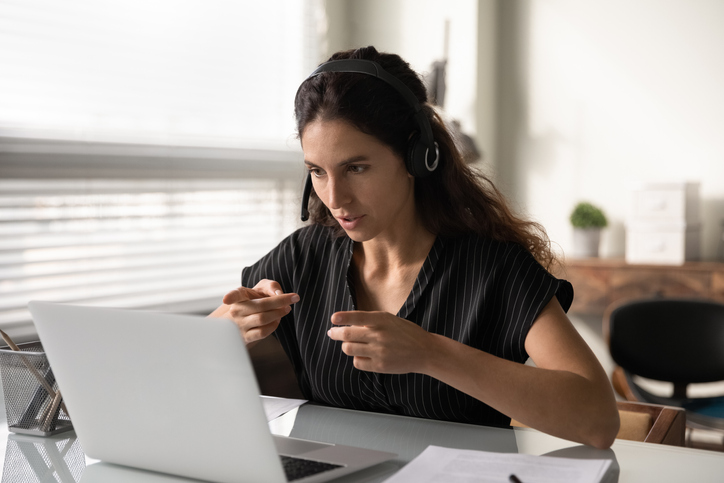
point(595, 94)
point(487, 88)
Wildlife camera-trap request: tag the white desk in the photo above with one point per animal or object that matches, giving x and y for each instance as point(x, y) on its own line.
point(638, 462)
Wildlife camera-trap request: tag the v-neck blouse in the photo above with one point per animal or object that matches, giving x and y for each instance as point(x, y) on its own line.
point(480, 292)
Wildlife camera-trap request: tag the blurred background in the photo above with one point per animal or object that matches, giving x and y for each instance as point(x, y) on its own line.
point(148, 152)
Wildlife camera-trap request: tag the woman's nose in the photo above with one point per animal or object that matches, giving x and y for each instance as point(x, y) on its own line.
point(338, 193)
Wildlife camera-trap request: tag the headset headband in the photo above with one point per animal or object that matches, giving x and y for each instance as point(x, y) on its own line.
point(370, 67)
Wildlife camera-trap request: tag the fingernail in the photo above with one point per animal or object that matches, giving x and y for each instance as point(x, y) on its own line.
point(289, 309)
point(329, 333)
point(295, 298)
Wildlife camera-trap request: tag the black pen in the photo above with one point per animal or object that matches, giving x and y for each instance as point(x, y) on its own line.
point(514, 479)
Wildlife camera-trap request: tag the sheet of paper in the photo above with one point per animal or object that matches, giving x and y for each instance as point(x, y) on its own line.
point(445, 465)
point(276, 406)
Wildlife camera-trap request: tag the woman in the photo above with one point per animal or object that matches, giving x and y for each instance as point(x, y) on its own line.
point(415, 291)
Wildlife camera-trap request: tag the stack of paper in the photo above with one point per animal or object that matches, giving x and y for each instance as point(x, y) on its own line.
point(445, 465)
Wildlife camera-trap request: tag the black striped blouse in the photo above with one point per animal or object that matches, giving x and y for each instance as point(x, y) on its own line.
point(482, 293)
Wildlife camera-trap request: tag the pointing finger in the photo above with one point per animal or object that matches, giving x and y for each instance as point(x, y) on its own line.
point(348, 334)
point(275, 302)
point(268, 287)
point(241, 294)
point(354, 317)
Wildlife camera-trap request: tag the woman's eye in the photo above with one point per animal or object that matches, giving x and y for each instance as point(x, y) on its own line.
point(356, 169)
point(316, 172)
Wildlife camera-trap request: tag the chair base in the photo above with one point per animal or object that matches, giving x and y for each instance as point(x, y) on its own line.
point(706, 439)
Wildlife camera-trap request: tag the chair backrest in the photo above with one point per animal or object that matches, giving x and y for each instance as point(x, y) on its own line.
point(675, 340)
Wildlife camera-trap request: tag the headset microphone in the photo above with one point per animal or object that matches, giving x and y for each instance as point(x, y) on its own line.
point(305, 197)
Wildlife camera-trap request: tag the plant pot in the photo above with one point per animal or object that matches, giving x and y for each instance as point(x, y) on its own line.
point(586, 242)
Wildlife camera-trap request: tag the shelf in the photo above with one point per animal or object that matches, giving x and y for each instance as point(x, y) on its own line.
point(598, 282)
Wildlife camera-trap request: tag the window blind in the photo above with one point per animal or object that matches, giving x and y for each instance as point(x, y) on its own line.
point(172, 245)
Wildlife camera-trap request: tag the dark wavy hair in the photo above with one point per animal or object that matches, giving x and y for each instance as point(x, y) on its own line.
point(455, 199)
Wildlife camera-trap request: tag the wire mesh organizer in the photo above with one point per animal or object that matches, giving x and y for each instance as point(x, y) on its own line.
point(32, 404)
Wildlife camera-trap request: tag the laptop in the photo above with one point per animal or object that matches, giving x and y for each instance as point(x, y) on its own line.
point(174, 394)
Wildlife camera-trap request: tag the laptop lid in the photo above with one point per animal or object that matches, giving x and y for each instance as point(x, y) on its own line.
point(170, 393)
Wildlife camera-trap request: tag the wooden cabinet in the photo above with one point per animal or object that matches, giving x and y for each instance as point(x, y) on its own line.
point(600, 282)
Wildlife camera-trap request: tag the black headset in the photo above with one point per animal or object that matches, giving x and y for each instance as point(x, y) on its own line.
point(423, 154)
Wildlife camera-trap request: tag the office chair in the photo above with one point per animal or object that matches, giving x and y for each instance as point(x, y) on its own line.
point(680, 341)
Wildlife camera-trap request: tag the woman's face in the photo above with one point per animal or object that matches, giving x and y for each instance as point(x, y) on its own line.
point(361, 180)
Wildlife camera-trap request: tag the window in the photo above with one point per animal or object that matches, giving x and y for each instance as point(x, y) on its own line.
point(147, 149)
point(189, 72)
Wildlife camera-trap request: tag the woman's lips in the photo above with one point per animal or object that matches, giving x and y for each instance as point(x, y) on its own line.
point(349, 222)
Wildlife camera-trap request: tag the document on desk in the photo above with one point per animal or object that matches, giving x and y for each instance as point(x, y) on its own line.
point(446, 465)
point(276, 406)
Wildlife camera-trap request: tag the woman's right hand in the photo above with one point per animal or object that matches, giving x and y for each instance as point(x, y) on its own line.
point(256, 311)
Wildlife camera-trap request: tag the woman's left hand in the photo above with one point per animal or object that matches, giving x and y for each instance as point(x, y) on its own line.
point(381, 342)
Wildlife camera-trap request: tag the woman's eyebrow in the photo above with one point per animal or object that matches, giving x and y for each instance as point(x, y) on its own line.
point(353, 159)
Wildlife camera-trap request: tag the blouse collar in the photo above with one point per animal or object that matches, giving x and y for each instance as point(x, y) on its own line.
point(423, 277)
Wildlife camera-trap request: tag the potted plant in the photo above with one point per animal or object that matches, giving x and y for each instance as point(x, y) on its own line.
point(588, 221)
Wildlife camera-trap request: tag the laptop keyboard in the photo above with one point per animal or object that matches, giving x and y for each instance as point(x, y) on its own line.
point(298, 468)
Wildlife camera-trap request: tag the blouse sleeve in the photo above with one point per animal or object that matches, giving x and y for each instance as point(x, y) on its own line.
point(276, 265)
point(524, 289)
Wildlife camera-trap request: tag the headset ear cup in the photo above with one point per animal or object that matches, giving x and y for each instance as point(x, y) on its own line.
point(415, 161)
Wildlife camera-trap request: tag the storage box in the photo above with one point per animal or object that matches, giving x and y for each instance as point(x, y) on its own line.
point(663, 202)
point(663, 243)
point(663, 226)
